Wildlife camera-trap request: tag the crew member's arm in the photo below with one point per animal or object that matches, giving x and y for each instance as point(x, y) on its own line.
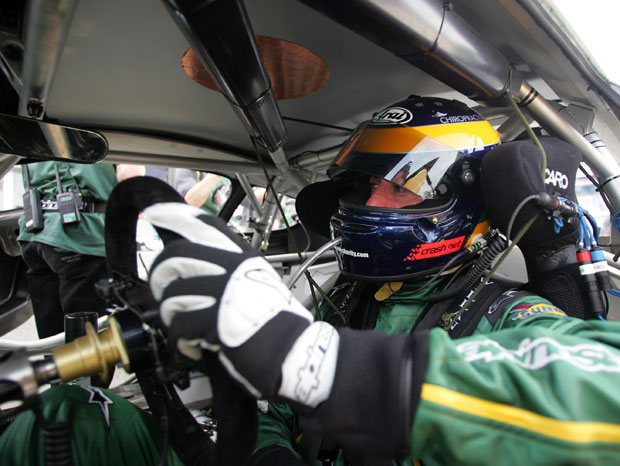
point(198, 194)
point(124, 171)
point(545, 392)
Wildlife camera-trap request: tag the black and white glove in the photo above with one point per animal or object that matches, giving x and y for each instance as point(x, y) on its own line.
point(217, 293)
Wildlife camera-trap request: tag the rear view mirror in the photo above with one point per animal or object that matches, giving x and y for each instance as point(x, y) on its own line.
point(40, 140)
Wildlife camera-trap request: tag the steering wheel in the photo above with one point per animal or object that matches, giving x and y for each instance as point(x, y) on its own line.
point(233, 407)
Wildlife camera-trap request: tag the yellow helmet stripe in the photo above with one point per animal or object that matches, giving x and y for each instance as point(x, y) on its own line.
point(401, 140)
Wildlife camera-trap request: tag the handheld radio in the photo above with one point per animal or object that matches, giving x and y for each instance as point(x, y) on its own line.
point(68, 203)
point(32, 206)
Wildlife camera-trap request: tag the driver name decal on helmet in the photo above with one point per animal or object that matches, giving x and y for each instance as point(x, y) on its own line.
point(440, 248)
point(393, 115)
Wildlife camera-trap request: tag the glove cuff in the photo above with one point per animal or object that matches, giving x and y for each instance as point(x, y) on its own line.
point(375, 393)
point(309, 368)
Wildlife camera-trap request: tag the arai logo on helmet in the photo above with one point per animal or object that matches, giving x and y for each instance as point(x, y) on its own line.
point(393, 115)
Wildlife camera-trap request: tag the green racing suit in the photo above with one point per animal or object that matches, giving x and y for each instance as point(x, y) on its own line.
point(84, 425)
point(528, 380)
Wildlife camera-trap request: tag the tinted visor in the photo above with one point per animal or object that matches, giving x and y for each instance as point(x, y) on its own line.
point(405, 157)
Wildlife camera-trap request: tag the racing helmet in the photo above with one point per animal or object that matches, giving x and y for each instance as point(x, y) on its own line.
point(430, 150)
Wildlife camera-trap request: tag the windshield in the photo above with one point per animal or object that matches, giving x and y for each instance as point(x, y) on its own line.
point(592, 28)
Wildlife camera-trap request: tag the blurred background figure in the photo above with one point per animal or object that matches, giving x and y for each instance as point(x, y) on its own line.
point(201, 189)
point(62, 237)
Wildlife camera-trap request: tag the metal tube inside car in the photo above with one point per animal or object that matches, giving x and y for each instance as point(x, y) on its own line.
point(605, 167)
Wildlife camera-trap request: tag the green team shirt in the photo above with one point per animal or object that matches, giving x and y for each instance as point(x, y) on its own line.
point(96, 181)
point(105, 430)
point(518, 384)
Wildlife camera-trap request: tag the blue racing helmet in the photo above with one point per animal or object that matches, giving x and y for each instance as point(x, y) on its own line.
point(429, 151)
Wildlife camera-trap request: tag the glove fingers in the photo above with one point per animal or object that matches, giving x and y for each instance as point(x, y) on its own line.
point(189, 310)
point(195, 225)
point(167, 270)
point(253, 296)
point(183, 259)
point(174, 305)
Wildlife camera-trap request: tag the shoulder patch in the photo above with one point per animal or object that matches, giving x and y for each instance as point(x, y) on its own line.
point(524, 312)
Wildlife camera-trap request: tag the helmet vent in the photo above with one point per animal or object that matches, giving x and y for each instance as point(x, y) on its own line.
point(360, 228)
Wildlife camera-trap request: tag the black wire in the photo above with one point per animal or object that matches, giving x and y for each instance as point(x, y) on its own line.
point(487, 277)
point(447, 6)
point(479, 267)
point(143, 263)
point(57, 444)
point(314, 286)
point(606, 300)
point(456, 275)
point(127, 304)
point(307, 235)
point(28, 184)
point(77, 185)
point(311, 281)
point(437, 274)
point(516, 212)
point(597, 186)
point(58, 183)
point(164, 426)
point(316, 123)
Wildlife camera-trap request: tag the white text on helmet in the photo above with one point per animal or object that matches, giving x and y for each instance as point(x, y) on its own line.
point(459, 118)
point(348, 252)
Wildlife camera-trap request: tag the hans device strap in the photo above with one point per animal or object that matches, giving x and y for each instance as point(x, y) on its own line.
point(490, 302)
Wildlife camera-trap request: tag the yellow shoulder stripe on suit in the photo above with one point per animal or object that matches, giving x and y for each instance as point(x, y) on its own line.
point(569, 431)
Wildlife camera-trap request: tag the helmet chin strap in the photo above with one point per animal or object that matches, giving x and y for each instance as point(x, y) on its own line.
point(389, 287)
point(387, 290)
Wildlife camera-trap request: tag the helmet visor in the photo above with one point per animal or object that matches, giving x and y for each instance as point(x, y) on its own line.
point(423, 170)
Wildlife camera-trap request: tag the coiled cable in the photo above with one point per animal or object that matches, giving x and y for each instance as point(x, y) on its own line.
point(57, 444)
point(495, 247)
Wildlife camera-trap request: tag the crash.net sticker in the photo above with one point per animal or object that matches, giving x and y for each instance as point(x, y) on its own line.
point(440, 248)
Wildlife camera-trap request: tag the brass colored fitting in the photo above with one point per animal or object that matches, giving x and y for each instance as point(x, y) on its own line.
point(92, 353)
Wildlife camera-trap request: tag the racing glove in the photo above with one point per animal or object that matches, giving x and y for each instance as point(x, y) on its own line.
point(218, 294)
